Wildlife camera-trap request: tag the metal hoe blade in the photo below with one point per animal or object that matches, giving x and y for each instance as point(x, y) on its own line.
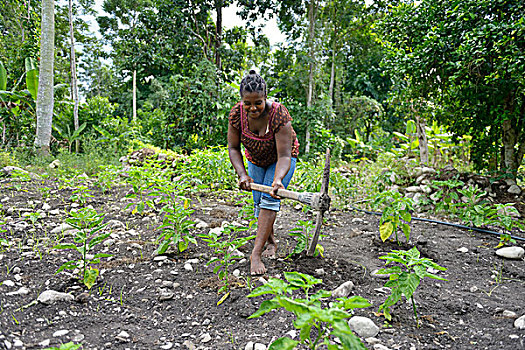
point(322, 209)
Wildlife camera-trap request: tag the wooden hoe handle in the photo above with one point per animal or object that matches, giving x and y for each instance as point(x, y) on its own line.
point(280, 192)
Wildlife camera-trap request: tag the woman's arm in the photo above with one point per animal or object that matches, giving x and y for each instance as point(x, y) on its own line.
point(283, 140)
point(234, 151)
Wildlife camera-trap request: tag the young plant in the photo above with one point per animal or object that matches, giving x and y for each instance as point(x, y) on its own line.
point(176, 224)
point(142, 180)
point(446, 195)
point(45, 192)
point(66, 346)
point(301, 232)
point(502, 215)
point(88, 224)
point(81, 194)
point(225, 246)
point(3, 236)
point(405, 277)
point(396, 213)
point(474, 211)
point(329, 323)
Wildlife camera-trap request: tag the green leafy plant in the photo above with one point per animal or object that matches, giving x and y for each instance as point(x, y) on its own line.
point(405, 277)
point(395, 213)
point(475, 210)
point(176, 213)
point(142, 180)
point(69, 134)
point(503, 215)
point(225, 246)
point(301, 232)
point(66, 346)
point(446, 195)
point(88, 224)
point(80, 194)
point(45, 192)
point(329, 323)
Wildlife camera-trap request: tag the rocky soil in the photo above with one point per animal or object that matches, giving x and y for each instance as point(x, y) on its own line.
point(145, 301)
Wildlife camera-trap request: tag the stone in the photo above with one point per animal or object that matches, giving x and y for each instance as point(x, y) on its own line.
point(167, 346)
point(514, 189)
point(8, 283)
point(49, 297)
point(463, 250)
point(381, 347)
point(8, 170)
point(511, 252)
point(189, 345)
point(46, 206)
point(166, 296)
point(343, 290)
point(509, 314)
point(21, 291)
point(60, 333)
point(372, 341)
point(259, 346)
point(62, 228)
point(363, 326)
point(54, 164)
point(426, 189)
point(188, 267)
point(236, 272)
point(205, 338)
point(520, 322)
point(379, 275)
point(413, 189)
point(115, 224)
point(249, 346)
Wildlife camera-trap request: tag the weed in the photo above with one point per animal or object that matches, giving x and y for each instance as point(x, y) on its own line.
point(66, 346)
point(405, 277)
point(89, 224)
point(329, 323)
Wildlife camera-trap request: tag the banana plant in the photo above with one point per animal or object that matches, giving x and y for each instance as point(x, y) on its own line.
point(69, 136)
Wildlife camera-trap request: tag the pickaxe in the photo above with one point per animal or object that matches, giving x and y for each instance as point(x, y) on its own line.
point(318, 201)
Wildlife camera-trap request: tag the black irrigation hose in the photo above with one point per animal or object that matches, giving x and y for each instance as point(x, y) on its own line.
point(443, 223)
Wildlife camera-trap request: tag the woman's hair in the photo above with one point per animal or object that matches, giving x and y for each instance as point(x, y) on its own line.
point(253, 82)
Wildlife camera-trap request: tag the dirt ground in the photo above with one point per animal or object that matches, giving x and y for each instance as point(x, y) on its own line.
point(141, 301)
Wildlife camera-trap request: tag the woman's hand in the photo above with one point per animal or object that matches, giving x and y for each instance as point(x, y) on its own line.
point(244, 182)
point(276, 185)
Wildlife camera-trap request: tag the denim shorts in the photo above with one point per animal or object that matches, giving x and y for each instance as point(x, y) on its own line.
point(264, 176)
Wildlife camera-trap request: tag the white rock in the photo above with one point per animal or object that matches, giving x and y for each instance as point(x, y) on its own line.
point(216, 230)
point(115, 224)
point(62, 228)
point(205, 338)
point(249, 346)
point(259, 346)
point(363, 326)
point(60, 333)
point(236, 272)
point(45, 343)
point(201, 224)
point(343, 290)
point(372, 341)
point(51, 296)
point(379, 275)
point(509, 314)
point(474, 289)
point(54, 164)
point(167, 346)
point(514, 189)
point(46, 206)
point(188, 267)
point(160, 258)
point(520, 322)
point(511, 252)
point(320, 271)
point(7, 344)
point(54, 212)
point(8, 170)
point(123, 334)
point(463, 250)
point(17, 343)
point(426, 189)
point(413, 189)
point(21, 291)
point(8, 283)
point(381, 347)
point(292, 334)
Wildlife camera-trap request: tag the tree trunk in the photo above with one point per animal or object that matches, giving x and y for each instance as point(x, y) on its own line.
point(311, 54)
point(513, 128)
point(334, 55)
point(421, 135)
point(74, 88)
point(134, 96)
point(218, 33)
point(45, 98)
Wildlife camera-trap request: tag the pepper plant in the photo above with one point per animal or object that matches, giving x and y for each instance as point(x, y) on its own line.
point(225, 246)
point(395, 213)
point(405, 277)
point(88, 224)
point(329, 323)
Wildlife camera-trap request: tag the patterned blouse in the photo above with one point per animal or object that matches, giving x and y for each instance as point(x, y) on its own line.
point(262, 150)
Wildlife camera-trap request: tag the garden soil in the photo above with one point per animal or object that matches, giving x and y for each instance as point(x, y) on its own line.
point(142, 301)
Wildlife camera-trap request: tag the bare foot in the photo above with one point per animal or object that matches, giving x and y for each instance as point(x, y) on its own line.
point(270, 250)
point(256, 266)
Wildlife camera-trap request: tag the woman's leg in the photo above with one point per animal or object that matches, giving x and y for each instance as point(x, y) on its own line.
point(269, 207)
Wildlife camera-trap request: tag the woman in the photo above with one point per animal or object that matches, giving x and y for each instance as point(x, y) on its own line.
point(271, 148)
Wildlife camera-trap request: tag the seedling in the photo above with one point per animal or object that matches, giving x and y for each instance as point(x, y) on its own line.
point(225, 245)
point(446, 194)
point(89, 224)
point(396, 213)
point(405, 277)
point(81, 194)
point(67, 346)
point(301, 232)
point(329, 323)
point(45, 192)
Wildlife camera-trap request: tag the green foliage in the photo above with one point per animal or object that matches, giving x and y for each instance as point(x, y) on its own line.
point(328, 323)
point(143, 181)
point(395, 213)
point(446, 195)
point(88, 224)
point(66, 346)
point(302, 232)
point(7, 159)
point(176, 213)
point(405, 277)
point(225, 246)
